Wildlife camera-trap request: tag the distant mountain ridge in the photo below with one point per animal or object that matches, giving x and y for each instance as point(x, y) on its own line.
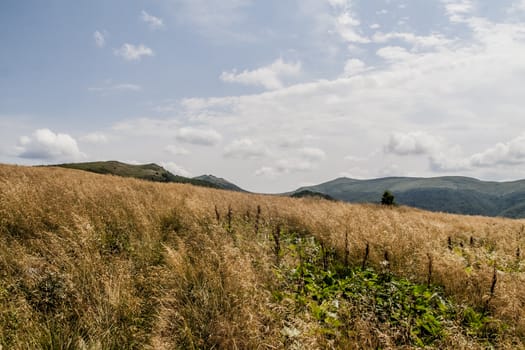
point(150, 172)
point(452, 194)
point(219, 182)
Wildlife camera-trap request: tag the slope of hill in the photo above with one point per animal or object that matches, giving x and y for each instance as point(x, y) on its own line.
point(219, 182)
point(311, 194)
point(151, 172)
point(104, 262)
point(461, 195)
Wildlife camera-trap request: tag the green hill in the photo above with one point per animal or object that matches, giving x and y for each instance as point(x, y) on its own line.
point(312, 194)
point(150, 172)
point(219, 182)
point(452, 194)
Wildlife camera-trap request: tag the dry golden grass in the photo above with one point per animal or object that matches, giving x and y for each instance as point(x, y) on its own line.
point(99, 262)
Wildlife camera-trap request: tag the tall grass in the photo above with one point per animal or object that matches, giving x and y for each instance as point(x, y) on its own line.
point(99, 262)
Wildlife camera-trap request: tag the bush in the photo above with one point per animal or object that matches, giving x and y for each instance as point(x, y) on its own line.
point(388, 198)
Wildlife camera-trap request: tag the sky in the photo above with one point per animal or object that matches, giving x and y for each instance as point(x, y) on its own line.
point(271, 95)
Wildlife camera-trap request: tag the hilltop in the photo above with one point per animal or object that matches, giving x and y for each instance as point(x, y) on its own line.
point(100, 262)
point(308, 193)
point(219, 182)
point(151, 172)
point(452, 194)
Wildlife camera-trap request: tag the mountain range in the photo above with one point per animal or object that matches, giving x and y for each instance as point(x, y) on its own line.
point(451, 194)
point(150, 172)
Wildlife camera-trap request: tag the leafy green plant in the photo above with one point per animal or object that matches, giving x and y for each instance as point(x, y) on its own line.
point(419, 312)
point(480, 324)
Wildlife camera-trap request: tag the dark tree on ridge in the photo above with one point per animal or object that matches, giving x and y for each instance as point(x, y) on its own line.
point(388, 198)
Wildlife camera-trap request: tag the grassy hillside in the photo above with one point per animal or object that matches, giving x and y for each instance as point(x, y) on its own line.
point(219, 183)
point(307, 193)
point(96, 262)
point(150, 172)
point(452, 194)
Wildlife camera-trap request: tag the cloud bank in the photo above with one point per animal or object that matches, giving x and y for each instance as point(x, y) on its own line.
point(46, 145)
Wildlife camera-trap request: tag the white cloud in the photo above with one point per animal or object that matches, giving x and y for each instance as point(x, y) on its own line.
point(267, 171)
point(133, 52)
point(413, 143)
point(307, 160)
point(335, 24)
point(152, 21)
point(203, 137)
point(116, 88)
point(353, 67)
point(458, 9)
point(340, 3)
point(445, 162)
point(100, 38)
point(285, 166)
point(176, 150)
point(503, 153)
point(271, 76)
point(175, 169)
point(294, 165)
point(44, 144)
point(394, 53)
point(443, 157)
point(245, 148)
point(95, 138)
point(418, 41)
point(347, 27)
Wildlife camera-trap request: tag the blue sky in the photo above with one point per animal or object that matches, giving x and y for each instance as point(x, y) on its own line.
point(271, 95)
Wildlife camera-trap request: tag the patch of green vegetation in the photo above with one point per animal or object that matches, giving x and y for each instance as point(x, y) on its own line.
point(332, 293)
point(480, 324)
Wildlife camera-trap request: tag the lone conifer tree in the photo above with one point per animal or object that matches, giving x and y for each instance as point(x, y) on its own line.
point(388, 198)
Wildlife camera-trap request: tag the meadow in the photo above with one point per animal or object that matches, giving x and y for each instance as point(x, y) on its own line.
point(92, 261)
